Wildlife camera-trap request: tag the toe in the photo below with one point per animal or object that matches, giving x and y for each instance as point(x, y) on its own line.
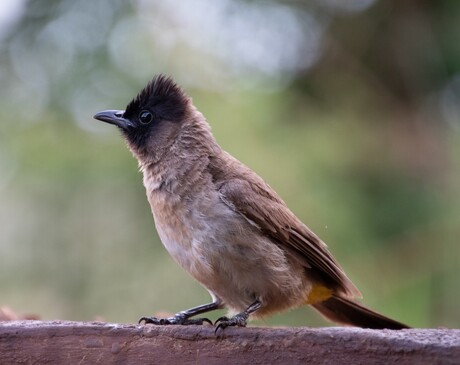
point(148, 320)
point(196, 321)
point(204, 320)
point(221, 319)
point(220, 326)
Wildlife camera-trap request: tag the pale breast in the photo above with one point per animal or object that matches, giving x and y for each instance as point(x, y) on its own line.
point(185, 230)
point(224, 252)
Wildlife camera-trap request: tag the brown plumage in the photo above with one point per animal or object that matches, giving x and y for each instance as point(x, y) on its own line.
point(224, 225)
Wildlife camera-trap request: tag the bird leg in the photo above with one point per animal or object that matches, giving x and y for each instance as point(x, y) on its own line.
point(183, 318)
point(240, 319)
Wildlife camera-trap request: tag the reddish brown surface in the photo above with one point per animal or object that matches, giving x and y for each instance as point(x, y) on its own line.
point(61, 342)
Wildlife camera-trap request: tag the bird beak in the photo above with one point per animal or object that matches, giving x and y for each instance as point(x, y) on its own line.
point(114, 117)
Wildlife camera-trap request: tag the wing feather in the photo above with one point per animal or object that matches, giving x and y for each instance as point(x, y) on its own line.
point(258, 203)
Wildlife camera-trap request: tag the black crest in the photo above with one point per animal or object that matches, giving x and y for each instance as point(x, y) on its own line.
point(163, 97)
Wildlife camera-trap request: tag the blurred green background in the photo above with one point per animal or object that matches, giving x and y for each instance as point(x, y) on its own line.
point(349, 109)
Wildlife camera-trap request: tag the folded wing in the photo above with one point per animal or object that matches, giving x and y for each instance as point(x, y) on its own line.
point(260, 205)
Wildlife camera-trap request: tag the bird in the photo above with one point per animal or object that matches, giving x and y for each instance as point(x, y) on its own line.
point(224, 225)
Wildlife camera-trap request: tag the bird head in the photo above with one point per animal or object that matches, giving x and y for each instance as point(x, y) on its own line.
point(152, 120)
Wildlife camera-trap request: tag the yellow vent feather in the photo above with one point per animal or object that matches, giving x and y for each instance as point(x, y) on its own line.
point(318, 294)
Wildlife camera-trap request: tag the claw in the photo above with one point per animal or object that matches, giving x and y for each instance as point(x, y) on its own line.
point(239, 320)
point(221, 319)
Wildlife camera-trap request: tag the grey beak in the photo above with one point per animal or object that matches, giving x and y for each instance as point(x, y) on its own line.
point(114, 117)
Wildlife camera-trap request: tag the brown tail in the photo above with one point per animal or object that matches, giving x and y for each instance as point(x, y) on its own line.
point(345, 311)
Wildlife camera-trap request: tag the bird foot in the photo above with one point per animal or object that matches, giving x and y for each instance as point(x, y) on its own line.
point(239, 320)
point(176, 320)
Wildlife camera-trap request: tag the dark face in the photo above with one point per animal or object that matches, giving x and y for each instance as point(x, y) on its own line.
point(152, 119)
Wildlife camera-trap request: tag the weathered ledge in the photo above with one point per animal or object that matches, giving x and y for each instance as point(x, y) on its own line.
point(63, 342)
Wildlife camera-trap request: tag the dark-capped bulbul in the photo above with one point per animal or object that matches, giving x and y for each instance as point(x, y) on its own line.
point(224, 225)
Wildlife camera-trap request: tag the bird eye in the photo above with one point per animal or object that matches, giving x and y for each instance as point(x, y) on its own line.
point(145, 117)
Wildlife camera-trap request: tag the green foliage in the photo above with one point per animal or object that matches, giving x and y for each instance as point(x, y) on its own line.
point(362, 147)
